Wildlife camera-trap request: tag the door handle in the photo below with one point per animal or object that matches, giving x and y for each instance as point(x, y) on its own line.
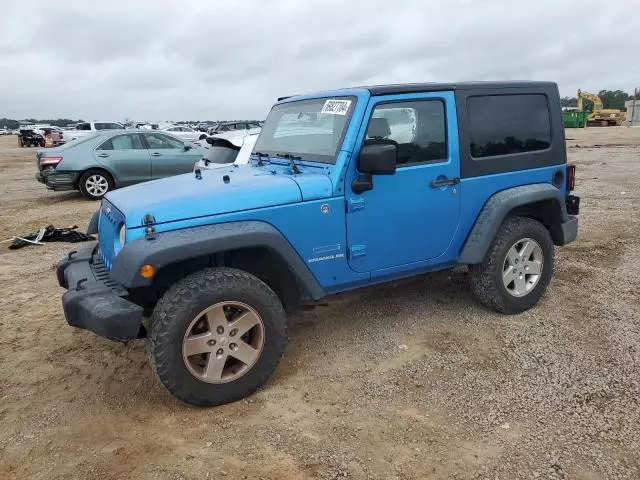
point(445, 182)
point(155, 154)
point(103, 155)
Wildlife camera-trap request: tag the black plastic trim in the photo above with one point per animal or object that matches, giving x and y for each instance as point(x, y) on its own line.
point(179, 245)
point(94, 301)
point(497, 208)
point(438, 87)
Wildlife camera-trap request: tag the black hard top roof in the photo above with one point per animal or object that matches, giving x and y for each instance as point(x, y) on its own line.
point(436, 87)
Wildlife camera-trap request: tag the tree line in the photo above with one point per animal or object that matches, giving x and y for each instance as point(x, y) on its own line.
point(12, 124)
point(610, 99)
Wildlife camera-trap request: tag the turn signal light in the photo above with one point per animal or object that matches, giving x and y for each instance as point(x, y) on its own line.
point(147, 271)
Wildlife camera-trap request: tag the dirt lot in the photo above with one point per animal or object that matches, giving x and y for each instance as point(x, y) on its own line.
point(408, 380)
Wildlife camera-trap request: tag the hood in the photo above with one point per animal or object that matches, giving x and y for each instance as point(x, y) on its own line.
point(222, 190)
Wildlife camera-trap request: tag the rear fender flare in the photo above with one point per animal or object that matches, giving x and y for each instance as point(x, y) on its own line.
point(497, 208)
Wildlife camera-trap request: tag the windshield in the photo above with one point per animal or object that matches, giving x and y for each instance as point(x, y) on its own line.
point(311, 129)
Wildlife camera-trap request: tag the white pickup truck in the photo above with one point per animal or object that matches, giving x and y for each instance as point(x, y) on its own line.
point(87, 128)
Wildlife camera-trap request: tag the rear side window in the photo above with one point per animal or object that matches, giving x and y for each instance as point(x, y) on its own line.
point(123, 142)
point(508, 124)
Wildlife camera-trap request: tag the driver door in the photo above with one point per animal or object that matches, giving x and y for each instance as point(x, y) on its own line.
point(405, 218)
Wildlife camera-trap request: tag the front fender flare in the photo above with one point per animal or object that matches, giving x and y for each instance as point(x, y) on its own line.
point(497, 208)
point(179, 245)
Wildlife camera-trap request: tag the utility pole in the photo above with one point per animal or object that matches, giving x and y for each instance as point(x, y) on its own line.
point(633, 106)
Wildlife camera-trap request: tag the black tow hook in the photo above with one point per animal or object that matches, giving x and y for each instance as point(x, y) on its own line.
point(79, 285)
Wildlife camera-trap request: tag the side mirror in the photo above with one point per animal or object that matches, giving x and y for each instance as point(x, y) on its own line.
point(374, 159)
point(378, 159)
point(187, 147)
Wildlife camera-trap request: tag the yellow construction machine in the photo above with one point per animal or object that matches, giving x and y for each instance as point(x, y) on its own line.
point(599, 115)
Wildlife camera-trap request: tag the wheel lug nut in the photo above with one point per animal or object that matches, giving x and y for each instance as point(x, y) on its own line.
point(233, 332)
point(220, 329)
point(233, 346)
point(211, 343)
point(220, 351)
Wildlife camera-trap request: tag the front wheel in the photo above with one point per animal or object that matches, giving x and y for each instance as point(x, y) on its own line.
point(202, 137)
point(94, 184)
point(517, 268)
point(216, 335)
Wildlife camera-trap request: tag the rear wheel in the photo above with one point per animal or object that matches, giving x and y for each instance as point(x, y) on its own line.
point(202, 137)
point(216, 335)
point(517, 268)
point(94, 184)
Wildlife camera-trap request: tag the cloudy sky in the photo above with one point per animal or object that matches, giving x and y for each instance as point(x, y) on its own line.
point(195, 59)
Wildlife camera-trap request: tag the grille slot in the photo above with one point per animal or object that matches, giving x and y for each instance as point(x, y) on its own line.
point(111, 219)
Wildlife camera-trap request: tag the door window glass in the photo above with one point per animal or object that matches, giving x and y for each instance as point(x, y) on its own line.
point(417, 128)
point(162, 142)
point(123, 142)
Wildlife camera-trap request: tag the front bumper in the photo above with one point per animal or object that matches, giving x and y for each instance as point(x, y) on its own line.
point(57, 180)
point(94, 301)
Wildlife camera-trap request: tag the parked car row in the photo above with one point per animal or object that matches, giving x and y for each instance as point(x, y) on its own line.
point(104, 160)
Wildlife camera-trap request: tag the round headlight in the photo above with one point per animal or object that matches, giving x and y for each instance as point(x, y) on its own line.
point(123, 234)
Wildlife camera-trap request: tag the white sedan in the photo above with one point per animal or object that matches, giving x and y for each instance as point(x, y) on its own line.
point(184, 133)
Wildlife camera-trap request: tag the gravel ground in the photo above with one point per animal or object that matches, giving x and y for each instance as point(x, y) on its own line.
point(401, 381)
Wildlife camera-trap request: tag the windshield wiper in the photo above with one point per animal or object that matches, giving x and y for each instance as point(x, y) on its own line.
point(260, 156)
point(291, 158)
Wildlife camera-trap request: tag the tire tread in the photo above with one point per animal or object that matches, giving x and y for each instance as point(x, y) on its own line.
point(185, 292)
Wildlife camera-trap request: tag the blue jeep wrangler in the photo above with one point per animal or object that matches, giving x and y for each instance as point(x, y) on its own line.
point(344, 189)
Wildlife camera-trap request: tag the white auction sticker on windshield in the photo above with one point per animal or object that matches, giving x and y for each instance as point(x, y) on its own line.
point(336, 107)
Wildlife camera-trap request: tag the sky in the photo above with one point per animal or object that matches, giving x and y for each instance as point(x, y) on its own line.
point(188, 60)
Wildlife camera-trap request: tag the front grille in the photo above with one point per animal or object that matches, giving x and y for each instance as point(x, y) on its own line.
point(102, 275)
point(109, 224)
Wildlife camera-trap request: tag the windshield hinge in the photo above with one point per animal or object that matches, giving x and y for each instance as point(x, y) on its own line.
point(355, 204)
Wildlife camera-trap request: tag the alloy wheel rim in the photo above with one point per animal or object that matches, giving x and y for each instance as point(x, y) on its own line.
point(97, 185)
point(223, 342)
point(522, 267)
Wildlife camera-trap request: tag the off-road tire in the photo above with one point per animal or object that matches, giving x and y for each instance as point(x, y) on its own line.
point(82, 183)
point(20, 142)
point(486, 277)
point(182, 303)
